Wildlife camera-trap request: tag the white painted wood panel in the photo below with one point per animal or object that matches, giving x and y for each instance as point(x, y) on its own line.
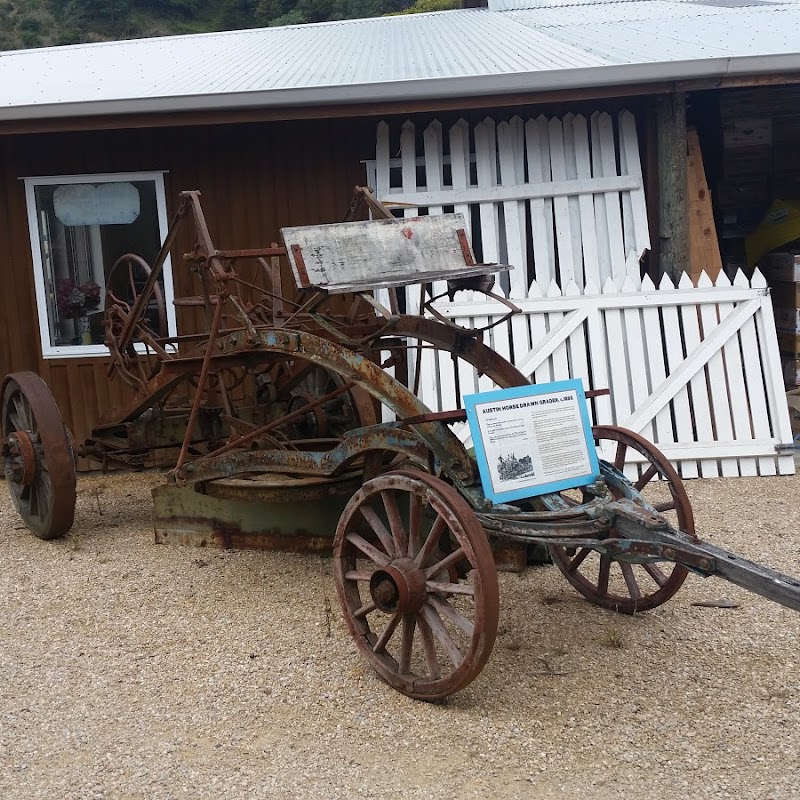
point(676, 342)
point(570, 192)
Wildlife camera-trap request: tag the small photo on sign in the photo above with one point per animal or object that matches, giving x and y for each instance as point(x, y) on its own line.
point(531, 440)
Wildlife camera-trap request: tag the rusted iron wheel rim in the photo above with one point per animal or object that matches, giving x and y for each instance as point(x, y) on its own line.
point(623, 587)
point(424, 630)
point(45, 495)
point(131, 264)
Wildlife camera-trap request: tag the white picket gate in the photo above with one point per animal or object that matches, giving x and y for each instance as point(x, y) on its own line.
point(694, 370)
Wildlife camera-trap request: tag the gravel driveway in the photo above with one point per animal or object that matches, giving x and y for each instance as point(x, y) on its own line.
point(132, 670)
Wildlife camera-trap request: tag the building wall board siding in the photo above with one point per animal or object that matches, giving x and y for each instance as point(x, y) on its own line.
point(254, 179)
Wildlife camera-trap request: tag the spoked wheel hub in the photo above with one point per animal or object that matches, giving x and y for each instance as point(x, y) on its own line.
point(398, 588)
point(20, 458)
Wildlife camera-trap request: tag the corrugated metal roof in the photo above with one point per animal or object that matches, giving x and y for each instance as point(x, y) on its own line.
point(527, 46)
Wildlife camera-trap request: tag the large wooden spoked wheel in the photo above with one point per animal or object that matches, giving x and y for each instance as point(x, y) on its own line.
point(136, 271)
point(423, 629)
point(618, 585)
point(38, 458)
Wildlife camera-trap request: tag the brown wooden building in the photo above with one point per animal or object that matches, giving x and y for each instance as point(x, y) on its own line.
point(260, 162)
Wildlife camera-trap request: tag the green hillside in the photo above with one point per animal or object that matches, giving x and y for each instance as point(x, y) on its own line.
point(41, 23)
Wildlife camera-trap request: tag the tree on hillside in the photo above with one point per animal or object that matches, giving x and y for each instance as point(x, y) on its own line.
point(38, 23)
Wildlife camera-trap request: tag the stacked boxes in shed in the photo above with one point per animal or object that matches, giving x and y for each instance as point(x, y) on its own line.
point(758, 201)
point(759, 169)
point(743, 190)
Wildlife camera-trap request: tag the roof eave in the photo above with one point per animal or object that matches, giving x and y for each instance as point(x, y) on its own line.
point(422, 89)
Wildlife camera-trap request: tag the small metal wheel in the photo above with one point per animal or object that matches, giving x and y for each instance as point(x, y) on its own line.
point(625, 587)
point(38, 457)
point(425, 631)
point(297, 384)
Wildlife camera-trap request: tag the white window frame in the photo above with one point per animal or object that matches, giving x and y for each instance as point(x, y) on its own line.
point(92, 350)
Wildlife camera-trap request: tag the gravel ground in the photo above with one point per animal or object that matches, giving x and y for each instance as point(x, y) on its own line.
point(137, 671)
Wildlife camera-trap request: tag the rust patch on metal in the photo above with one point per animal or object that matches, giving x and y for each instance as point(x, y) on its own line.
point(466, 247)
point(300, 263)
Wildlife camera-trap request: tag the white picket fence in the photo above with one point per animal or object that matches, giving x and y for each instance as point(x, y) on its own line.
point(559, 198)
point(694, 370)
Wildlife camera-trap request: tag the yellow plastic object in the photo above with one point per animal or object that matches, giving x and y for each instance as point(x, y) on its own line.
point(781, 224)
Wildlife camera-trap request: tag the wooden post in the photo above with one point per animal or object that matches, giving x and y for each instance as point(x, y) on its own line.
point(673, 209)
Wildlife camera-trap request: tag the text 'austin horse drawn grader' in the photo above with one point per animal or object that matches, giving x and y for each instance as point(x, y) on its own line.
point(290, 397)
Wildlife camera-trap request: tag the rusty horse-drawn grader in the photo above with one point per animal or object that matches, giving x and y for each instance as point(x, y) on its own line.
point(290, 397)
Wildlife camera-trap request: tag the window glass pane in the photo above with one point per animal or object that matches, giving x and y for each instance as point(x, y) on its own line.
point(83, 230)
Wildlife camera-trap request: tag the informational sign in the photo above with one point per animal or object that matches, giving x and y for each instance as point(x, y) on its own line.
point(531, 440)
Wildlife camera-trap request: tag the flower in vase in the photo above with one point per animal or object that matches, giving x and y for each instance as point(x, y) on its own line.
point(76, 299)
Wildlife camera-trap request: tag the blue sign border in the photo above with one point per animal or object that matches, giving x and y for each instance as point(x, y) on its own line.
point(471, 401)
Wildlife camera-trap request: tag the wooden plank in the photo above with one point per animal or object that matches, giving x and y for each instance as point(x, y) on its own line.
point(663, 431)
point(486, 169)
point(736, 386)
point(459, 169)
point(349, 256)
point(662, 297)
point(717, 396)
point(433, 362)
point(629, 145)
point(413, 294)
point(618, 371)
point(433, 149)
point(756, 391)
point(577, 349)
point(704, 253)
point(519, 284)
point(598, 356)
point(698, 382)
point(628, 232)
point(636, 356)
point(773, 376)
point(544, 189)
point(544, 264)
point(583, 166)
point(608, 157)
point(382, 160)
point(523, 278)
point(600, 215)
point(681, 451)
point(511, 174)
point(541, 372)
point(571, 166)
point(561, 211)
